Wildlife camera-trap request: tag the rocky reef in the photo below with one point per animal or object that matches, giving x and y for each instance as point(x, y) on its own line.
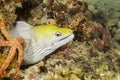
point(93, 54)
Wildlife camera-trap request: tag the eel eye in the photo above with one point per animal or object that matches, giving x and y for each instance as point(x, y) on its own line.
point(58, 34)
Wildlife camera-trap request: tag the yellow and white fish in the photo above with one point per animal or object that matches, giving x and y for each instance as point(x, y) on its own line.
point(40, 40)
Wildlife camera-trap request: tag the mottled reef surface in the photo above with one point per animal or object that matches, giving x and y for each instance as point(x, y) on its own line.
point(94, 54)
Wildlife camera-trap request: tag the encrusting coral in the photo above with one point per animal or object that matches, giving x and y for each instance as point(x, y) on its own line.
point(91, 55)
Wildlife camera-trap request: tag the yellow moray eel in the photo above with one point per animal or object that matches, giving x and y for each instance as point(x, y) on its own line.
point(40, 40)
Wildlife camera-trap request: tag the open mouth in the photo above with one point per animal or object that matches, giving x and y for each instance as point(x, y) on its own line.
point(63, 40)
point(66, 37)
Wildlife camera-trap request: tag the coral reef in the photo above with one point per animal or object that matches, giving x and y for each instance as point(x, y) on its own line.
point(81, 62)
point(7, 8)
point(95, 51)
point(113, 26)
